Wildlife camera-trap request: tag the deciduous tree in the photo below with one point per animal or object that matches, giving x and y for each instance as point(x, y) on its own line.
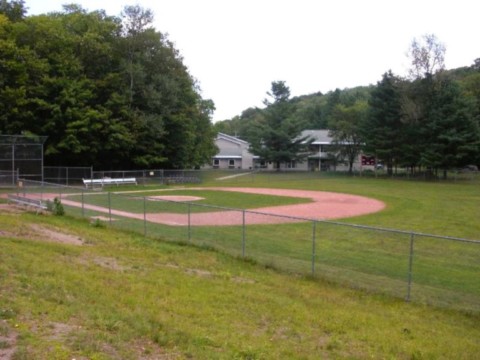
point(346, 126)
point(427, 56)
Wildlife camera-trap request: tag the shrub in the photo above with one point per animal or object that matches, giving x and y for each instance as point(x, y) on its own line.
point(57, 207)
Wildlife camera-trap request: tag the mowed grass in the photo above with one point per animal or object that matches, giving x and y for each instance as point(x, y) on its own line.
point(216, 200)
point(440, 208)
point(443, 273)
point(123, 296)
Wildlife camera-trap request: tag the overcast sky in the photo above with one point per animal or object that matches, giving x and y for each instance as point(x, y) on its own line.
point(236, 48)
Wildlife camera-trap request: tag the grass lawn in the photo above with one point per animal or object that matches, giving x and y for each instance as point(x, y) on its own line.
point(444, 272)
point(441, 208)
point(122, 296)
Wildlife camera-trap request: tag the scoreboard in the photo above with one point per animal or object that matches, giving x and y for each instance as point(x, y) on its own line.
point(368, 160)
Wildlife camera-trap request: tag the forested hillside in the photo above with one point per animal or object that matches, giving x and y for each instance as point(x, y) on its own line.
point(430, 120)
point(109, 92)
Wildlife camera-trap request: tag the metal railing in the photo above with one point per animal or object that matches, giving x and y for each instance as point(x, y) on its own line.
point(439, 270)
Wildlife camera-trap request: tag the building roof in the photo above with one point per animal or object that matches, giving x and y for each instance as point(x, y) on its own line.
point(320, 137)
point(231, 139)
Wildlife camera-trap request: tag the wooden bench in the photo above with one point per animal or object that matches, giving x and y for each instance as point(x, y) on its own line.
point(108, 181)
point(21, 200)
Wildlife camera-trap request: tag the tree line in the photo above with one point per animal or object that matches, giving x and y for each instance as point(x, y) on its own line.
point(428, 121)
point(108, 91)
point(112, 92)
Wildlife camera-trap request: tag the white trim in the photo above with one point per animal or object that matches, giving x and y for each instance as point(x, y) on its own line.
point(227, 157)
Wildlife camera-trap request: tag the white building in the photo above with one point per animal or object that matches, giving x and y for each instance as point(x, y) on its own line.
point(233, 153)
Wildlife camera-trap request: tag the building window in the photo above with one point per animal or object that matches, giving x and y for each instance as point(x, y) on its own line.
point(231, 164)
point(216, 163)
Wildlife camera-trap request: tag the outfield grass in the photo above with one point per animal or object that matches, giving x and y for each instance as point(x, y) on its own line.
point(123, 296)
point(441, 208)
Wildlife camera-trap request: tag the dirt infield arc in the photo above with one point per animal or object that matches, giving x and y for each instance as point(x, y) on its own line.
point(324, 206)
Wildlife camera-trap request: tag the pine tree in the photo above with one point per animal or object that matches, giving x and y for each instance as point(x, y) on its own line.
point(278, 137)
point(382, 129)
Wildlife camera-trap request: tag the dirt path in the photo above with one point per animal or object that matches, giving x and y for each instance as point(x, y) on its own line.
point(324, 205)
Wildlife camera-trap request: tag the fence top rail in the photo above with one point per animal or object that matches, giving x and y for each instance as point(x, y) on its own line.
point(49, 184)
point(404, 232)
point(28, 201)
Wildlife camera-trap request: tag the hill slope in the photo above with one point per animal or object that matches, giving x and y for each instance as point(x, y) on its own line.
point(72, 290)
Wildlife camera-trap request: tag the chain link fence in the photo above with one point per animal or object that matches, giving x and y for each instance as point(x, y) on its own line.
point(75, 176)
point(8, 178)
point(67, 175)
point(152, 177)
point(438, 270)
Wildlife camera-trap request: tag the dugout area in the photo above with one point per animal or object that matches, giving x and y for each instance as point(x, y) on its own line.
point(21, 156)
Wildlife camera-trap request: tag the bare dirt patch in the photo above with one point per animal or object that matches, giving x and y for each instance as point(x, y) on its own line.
point(104, 262)
point(109, 263)
point(35, 231)
point(54, 235)
point(102, 218)
point(11, 209)
point(8, 341)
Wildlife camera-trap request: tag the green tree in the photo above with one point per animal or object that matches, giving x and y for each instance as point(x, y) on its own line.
point(22, 79)
point(346, 127)
point(14, 10)
point(470, 85)
point(441, 119)
point(452, 133)
point(311, 111)
point(107, 93)
point(243, 126)
point(205, 134)
point(278, 136)
point(161, 90)
point(83, 116)
point(382, 129)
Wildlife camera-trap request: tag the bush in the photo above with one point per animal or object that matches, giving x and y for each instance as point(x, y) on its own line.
point(57, 207)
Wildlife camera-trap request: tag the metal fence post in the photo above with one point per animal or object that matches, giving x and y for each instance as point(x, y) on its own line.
point(109, 208)
point(243, 233)
point(314, 231)
point(410, 267)
point(189, 222)
point(145, 216)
